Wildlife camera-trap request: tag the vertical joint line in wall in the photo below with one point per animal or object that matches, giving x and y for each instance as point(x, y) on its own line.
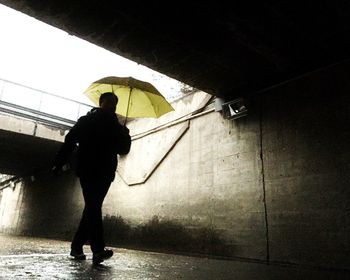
point(35, 129)
point(21, 195)
point(263, 184)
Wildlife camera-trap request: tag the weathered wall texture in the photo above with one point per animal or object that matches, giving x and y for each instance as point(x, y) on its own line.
point(214, 177)
point(307, 173)
point(211, 180)
point(10, 208)
point(274, 184)
point(46, 206)
point(51, 207)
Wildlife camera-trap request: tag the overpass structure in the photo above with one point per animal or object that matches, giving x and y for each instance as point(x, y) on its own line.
point(33, 123)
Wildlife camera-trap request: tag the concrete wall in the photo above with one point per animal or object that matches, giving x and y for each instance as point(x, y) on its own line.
point(10, 208)
point(307, 172)
point(46, 206)
point(214, 178)
point(211, 180)
point(29, 127)
point(270, 186)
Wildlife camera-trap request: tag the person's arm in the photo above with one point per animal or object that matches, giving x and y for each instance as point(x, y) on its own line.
point(70, 143)
point(124, 140)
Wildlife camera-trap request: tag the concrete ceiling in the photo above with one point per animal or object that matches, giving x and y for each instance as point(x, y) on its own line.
point(228, 49)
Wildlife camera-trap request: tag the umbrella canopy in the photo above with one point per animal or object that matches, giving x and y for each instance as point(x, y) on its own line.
point(136, 99)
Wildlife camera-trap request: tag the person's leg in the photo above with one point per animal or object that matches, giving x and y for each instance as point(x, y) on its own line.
point(81, 235)
point(95, 190)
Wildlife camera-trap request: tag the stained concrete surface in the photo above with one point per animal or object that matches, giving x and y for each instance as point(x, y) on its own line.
point(34, 258)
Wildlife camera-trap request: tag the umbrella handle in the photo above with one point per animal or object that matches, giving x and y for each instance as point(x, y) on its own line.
point(127, 108)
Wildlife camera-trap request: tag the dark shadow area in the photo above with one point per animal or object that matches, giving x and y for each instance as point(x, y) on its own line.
point(306, 166)
point(101, 267)
point(165, 235)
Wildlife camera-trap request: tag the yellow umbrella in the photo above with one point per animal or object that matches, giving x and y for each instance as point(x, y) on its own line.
point(136, 99)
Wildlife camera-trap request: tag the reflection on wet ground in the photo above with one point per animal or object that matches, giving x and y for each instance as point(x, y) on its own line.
point(34, 258)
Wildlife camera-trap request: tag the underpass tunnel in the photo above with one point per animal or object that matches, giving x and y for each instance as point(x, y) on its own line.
point(271, 186)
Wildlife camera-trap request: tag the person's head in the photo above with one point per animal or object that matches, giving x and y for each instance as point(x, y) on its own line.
point(108, 102)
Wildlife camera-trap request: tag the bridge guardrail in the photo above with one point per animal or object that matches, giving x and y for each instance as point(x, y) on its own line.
point(30, 103)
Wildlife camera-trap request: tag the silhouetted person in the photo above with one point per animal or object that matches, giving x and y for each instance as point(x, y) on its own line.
point(100, 137)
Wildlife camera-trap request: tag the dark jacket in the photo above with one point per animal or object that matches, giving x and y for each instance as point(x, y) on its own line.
point(100, 138)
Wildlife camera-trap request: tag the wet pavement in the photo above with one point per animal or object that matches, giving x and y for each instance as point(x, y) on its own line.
point(34, 258)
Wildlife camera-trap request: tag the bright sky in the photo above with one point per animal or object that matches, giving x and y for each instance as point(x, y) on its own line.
point(46, 58)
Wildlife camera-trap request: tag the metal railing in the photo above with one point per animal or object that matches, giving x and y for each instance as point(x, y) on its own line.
point(40, 106)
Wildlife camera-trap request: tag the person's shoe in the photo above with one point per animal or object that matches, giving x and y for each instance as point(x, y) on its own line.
point(78, 255)
point(101, 256)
